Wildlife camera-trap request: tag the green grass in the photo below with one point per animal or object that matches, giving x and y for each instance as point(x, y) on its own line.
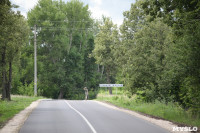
point(172, 111)
point(9, 108)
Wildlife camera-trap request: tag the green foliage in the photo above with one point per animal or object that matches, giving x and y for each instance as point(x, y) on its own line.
point(171, 111)
point(190, 95)
point(26, 89)
point(140, 96)
point(158, 57)
point(106, 41)
point(14, 34)
point(92, 93)
point(146, 57)
point(182, 71)
point(155, 54)
point(65, 43)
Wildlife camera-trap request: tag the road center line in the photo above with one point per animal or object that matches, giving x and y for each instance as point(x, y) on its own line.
point(89, 124)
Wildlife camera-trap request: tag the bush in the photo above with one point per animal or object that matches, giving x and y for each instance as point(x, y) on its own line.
point(140, 96)
point(27, 89)
point(145, 96)
point(92, 94)
point(190, 95)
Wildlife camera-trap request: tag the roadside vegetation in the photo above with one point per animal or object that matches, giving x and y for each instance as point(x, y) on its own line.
point(9, 108)
point(159, 110)
point(154, 53)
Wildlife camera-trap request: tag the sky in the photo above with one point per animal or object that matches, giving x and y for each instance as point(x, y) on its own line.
point(110, 8)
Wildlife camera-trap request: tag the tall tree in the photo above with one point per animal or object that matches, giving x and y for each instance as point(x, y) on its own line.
point(183, 66)
point(14, 34)
point(134, 19)
point(63, 36)
point(148, 57)
point(105, 42)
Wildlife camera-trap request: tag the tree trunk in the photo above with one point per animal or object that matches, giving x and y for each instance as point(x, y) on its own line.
point(3, 85)
point(3, 74)
point(108, 80)
point(9, 81)
point(81, 41)
point(98, 68)
point(102, 70)
point(61, 94)
point(70, 42)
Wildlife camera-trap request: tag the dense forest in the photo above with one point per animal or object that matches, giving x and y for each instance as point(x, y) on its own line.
point(154, 53)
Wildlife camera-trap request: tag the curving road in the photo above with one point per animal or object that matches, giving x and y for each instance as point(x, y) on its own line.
point(61, 116)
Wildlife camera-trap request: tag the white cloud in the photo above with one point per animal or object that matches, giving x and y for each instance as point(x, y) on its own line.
point(108, 8)
point(30, 4)
point(118, 22)
point(97, 12)
point(24, 5)
point(96, 2)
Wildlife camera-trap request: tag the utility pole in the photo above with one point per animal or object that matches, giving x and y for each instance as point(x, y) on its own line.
point(35, 63)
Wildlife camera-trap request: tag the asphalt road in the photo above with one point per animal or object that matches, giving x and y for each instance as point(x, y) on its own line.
point(60, 116)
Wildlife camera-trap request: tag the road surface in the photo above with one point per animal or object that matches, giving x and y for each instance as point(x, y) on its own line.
point(61, 116)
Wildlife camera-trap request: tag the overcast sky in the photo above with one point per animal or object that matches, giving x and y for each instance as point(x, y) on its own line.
point(109, 8)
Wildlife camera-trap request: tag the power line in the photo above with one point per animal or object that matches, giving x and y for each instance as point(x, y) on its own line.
point(67, 29)
point(57, 28)
point(63, 21)
point(67, 21)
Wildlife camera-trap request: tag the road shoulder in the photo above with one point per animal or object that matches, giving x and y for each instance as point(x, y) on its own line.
point(14, 125)
point(162, 123)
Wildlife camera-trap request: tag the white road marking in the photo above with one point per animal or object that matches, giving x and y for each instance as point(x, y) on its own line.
point(89, 124)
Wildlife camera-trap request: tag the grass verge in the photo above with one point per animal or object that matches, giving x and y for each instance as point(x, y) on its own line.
point(9, 108)
point(172, 112)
